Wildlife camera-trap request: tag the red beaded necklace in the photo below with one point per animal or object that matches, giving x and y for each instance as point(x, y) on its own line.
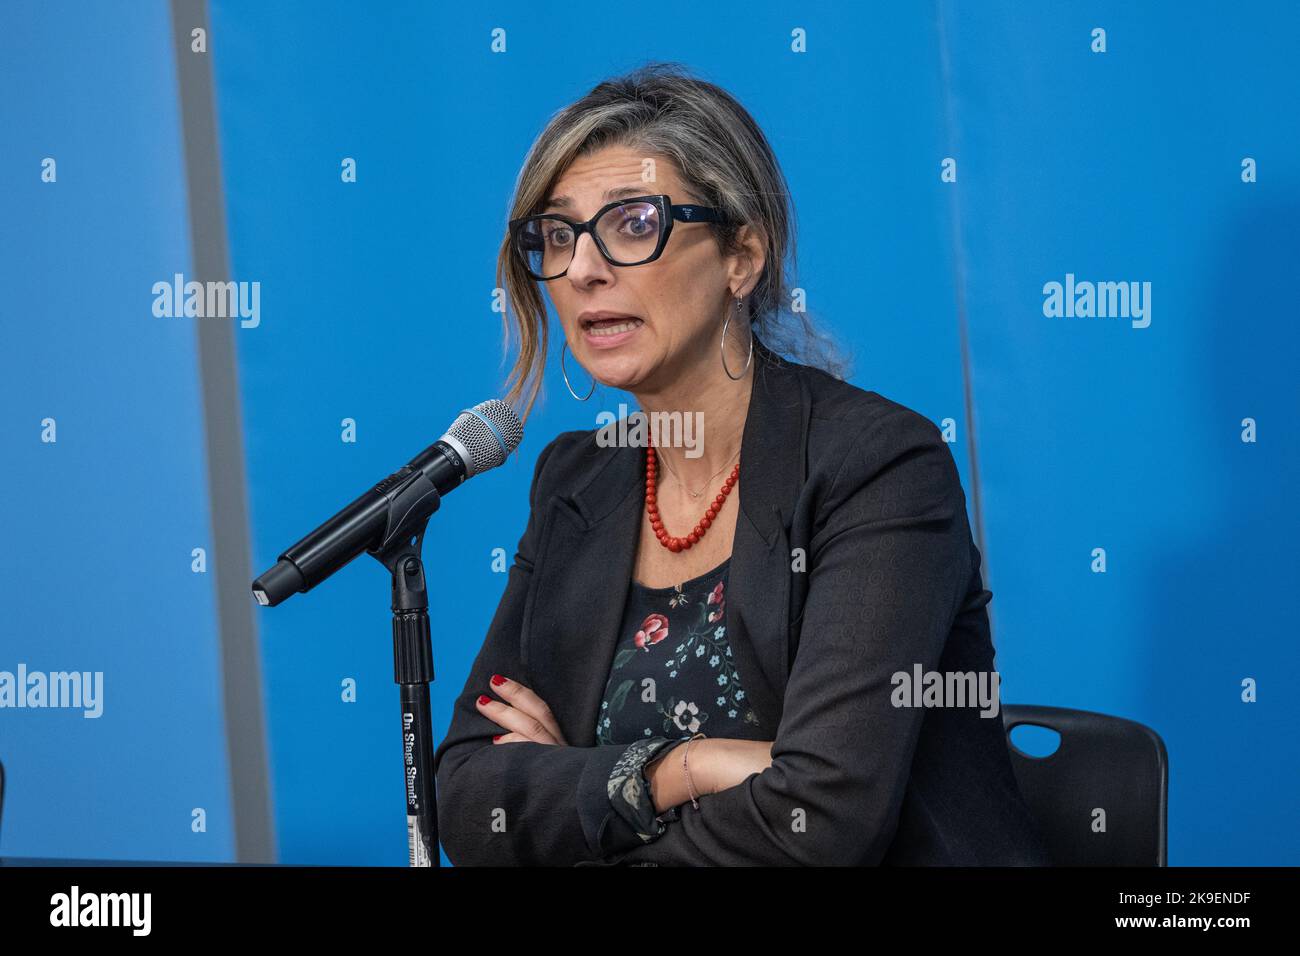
point(652, 506)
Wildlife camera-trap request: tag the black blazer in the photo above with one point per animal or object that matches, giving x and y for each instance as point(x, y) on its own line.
point(864, 492)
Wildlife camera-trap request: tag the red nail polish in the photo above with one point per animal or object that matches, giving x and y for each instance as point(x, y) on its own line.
point(498, 679)
point(484, 699)
point(496, 737)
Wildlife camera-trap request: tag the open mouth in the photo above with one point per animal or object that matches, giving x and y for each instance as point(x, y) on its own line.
point(614, 326)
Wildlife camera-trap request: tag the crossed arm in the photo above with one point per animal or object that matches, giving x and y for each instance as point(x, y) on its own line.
point(715, 763)
point(889, 566)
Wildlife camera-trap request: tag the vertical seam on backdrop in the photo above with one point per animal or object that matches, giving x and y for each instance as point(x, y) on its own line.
point(959, 292)
point(241, 665)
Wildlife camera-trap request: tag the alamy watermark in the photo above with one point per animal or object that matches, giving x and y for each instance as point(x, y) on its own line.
point(222, 300)
point(82, 690)
point(661, 429)
point(1102, 300)
point(130, 910)
point(947, 689)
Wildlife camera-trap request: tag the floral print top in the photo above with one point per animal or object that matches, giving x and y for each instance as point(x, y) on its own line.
point(673, 676)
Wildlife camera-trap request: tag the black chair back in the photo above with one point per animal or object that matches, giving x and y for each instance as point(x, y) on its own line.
point(1101, 798)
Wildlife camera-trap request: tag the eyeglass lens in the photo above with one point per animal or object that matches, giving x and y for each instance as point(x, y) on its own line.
point(629, 231)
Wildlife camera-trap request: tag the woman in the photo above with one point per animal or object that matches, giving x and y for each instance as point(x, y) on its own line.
point(695, 658)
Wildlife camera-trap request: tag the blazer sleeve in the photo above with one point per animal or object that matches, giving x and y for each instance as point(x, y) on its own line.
point(890, 559)
point(522, 803)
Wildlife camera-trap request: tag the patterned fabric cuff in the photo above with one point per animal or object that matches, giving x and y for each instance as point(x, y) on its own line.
point(629, 791)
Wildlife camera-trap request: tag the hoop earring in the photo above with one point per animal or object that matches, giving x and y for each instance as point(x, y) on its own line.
point(723, 347)
point(565, 373)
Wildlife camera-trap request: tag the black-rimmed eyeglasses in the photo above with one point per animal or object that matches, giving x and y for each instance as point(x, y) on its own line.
point(629, 232)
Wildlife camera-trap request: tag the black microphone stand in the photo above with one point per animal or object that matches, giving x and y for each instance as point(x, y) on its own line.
point(412, 499)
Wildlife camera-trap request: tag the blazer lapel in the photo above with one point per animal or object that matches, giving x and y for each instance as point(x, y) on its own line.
point(583, 571)
point(580, 585)
point(773, 454)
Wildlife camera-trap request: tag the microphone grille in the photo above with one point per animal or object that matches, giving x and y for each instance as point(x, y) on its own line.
point(489, 432)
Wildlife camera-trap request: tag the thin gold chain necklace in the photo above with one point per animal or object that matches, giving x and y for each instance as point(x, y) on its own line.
point(682, 485)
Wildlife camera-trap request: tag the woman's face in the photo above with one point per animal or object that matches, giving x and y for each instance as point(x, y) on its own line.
point(677, 302)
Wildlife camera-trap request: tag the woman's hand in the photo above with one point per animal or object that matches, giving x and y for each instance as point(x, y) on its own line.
point(732, 761)
point(520, 712)
point(716, 764)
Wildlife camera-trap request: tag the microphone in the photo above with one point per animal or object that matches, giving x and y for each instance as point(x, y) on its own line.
point(480, 438)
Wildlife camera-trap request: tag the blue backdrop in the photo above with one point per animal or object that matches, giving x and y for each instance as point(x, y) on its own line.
point(947, 160)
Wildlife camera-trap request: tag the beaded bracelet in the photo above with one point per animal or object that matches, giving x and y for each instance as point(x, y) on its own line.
point(690, 785)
